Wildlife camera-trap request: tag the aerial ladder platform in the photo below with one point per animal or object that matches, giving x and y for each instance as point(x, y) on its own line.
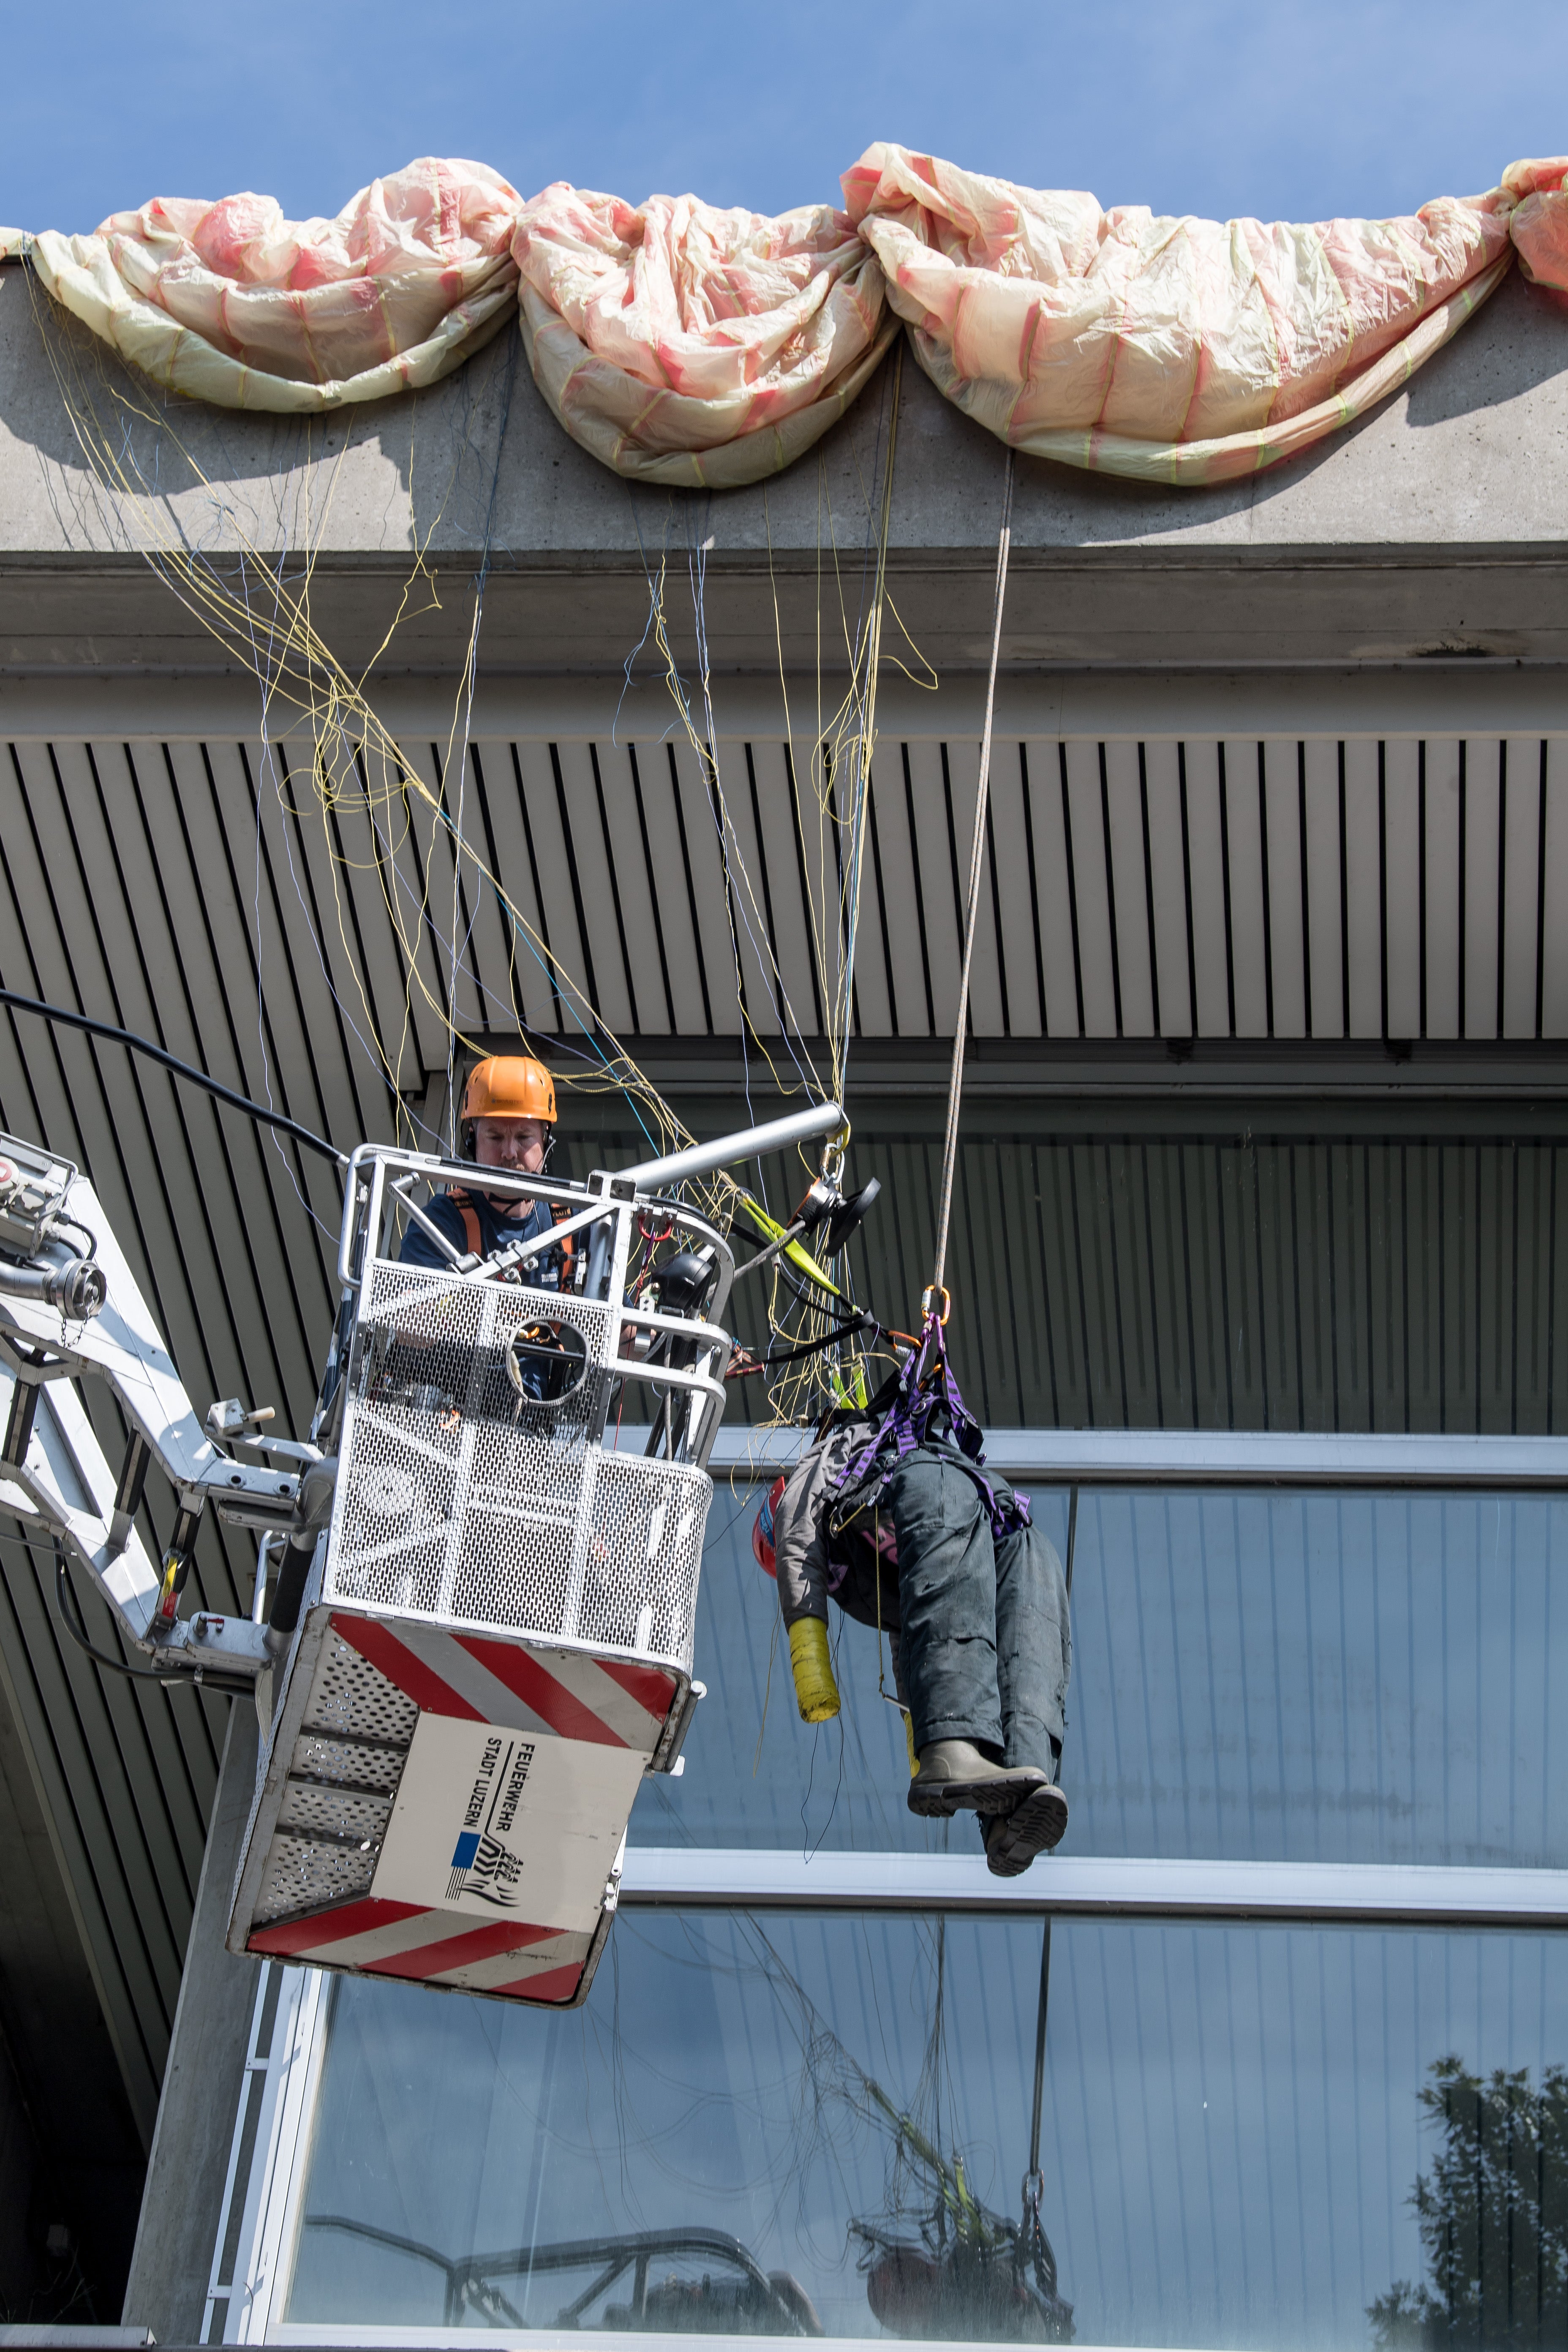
point(476, 1594)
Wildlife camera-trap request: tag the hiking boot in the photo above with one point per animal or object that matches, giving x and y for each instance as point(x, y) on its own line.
point(1013, 1840)
point(953, 1775)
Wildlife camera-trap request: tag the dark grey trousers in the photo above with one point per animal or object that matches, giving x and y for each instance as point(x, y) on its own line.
point(985, 1644)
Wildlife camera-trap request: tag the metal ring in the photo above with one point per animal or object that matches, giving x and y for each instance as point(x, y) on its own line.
point(929, 1293)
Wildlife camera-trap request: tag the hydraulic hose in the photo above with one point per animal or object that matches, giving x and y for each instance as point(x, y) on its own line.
point(144, 1046)
point(313, 1511)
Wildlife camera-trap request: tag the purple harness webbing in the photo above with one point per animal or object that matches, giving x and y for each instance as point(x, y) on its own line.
point(909, 1420)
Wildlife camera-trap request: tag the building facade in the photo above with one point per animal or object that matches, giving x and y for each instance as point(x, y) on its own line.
point(1254, 1269)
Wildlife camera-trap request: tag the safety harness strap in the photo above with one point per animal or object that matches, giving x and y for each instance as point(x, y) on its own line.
point(474, 1237)
point(926, 1392)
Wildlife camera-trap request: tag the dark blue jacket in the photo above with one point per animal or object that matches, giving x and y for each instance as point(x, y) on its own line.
point(496, 1231)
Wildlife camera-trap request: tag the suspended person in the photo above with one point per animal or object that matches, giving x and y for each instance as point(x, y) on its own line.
point(891, 1513)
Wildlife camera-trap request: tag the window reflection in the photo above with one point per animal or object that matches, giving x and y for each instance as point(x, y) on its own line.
point(772, 2125)
point(683, 2281)
point(1257, 1675)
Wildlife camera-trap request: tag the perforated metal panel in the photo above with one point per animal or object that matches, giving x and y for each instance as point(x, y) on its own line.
point(302, 1875)
point(349, 1695)
point(343, 1775)
point(347, 1816)
point(361, 1763)
point(471, 1497)
point(638, 1589)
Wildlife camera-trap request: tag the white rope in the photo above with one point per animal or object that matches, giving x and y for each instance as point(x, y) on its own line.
point(955, 1082)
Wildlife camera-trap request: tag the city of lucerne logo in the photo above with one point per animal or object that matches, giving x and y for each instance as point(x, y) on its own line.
point(483, 1868)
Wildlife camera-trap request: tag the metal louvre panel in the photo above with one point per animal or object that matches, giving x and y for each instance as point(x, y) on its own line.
point(1224, 888)
point(521, 977)
point(707, 892)
point(1127, 838)
point(1334, 1282)
point(1043, 791)
point(113, 901)
point(1554, 891)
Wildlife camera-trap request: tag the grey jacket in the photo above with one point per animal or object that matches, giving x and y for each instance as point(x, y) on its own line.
point(808, 1562)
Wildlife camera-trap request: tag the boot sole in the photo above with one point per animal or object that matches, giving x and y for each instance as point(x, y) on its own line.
point(1036, 1827)
point(939, 1800)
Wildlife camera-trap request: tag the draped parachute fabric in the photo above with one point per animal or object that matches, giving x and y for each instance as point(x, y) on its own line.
point(683, 344)
point(232, 303)
point(1180, 350)
point(1539, 227)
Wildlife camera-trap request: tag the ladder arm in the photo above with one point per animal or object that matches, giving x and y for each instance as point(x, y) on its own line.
point(53, 1471)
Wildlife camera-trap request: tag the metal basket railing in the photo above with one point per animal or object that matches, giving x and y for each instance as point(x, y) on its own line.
point(480, 1486)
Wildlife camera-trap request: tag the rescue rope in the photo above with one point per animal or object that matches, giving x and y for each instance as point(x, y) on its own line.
point(955, 1082)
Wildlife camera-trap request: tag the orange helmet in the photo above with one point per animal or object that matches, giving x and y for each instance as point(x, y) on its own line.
point(510, 1086)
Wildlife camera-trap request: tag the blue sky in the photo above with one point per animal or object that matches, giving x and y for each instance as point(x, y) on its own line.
point(1275, 108)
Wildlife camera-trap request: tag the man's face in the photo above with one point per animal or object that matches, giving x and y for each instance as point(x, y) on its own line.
point(515, 1144)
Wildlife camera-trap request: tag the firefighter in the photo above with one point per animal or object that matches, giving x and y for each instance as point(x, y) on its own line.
point(891, 1513)
point(508, 1121)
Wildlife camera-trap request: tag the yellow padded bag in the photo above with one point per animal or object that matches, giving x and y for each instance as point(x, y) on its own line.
point(817, 1693)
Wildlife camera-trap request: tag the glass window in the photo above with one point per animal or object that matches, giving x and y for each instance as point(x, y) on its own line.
point(1320, 1677)
point(763, 2124)
point(1257, 1675)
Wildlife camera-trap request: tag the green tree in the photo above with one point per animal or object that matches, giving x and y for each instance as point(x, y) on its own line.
point(1493, 2218)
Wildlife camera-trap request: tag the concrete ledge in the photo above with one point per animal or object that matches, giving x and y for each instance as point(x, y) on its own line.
point(1438, 528)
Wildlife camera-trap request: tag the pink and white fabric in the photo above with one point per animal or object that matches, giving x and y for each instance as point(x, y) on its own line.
point(232, 303)
point(1180, 350)
point(684, 344)
point(1539, 222)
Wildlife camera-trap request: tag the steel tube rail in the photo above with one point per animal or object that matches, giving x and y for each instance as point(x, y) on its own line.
point(1096, 1886)
point(701, 1159)
point(1167, 1457)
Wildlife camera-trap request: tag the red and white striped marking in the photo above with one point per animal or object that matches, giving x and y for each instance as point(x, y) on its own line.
point(505, 1957)
point(559, 1693)
point(602, 1707)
